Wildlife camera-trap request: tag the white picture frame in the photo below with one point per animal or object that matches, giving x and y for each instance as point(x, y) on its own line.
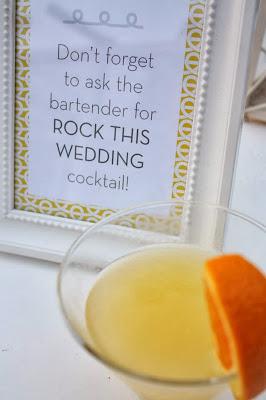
point(219, 108)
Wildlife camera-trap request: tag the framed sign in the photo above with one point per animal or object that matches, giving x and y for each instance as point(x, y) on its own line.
point(105, 107)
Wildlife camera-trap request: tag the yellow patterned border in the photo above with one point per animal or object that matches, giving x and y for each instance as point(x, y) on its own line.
point(27, 202)
point(188, 96)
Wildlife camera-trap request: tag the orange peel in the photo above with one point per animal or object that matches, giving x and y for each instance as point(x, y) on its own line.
point(236, 297)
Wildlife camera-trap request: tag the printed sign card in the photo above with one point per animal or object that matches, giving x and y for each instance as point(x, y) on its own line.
point(105, 103)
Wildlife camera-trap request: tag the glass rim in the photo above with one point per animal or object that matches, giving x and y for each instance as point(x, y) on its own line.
point(200, 382)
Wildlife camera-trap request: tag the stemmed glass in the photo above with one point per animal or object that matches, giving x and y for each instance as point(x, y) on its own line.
point(177, 222)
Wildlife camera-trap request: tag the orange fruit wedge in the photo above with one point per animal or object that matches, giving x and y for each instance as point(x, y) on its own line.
point(236, 297)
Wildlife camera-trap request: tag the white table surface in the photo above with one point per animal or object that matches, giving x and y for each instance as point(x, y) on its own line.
point(39, 359)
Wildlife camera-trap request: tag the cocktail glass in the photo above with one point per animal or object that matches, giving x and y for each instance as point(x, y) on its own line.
point(177, 222)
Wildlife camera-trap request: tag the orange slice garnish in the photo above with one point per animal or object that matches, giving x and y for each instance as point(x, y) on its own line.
point(236, 296)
